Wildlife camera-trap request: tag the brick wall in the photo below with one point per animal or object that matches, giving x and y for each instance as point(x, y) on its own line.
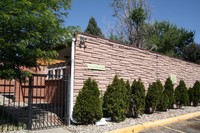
point(128, 62)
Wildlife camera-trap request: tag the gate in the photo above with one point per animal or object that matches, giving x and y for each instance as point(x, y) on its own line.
point(38, 103)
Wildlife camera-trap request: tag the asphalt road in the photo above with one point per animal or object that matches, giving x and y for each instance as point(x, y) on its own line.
point(187, 126)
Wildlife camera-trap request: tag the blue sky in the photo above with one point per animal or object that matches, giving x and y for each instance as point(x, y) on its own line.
point(183, 13)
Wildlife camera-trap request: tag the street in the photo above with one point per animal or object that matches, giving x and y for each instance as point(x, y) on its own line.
point(187, 126)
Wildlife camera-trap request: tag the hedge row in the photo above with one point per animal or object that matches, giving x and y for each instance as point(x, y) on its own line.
point(123, 99)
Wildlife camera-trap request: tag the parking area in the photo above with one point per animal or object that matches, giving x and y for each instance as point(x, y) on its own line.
point(187, 126)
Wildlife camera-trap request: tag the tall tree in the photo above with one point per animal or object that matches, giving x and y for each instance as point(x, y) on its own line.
point(168, 38)
point(93, 28)
point(131, 15)
point(30, 31)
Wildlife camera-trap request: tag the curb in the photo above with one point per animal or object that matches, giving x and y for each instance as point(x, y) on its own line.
point(146, 125)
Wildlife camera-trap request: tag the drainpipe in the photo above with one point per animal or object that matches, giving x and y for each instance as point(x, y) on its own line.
point(71, 86)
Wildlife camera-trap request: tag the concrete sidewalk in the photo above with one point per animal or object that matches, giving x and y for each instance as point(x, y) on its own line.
point(53, 130)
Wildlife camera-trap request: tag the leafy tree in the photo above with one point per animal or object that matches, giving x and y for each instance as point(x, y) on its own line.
point(181, 94)
point(152, 97)
point(93, 28)
point(30, 30)
point(196, 93)
point(137, 98)
point(168, 38)
point(114, 100)
point(192, 53)
point(169, 90)
point(88, 107)
point(131, 17)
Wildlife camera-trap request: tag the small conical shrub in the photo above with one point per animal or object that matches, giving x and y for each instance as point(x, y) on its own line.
point(128, 88)
point(152, 98)
point(164, 103)
point(196, 93)
point(88, 106)
point(169, 90)
point(181, 95)
point(190, 94)
point(137, 98)
point(114, 100)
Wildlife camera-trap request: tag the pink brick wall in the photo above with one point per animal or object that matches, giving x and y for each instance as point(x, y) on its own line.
point(128, 62)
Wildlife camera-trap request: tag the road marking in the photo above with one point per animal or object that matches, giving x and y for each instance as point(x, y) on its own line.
point(173, 129)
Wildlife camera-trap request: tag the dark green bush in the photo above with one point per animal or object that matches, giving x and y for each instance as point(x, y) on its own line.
point(181, 95)
point(196, 93)
point(163, 99)
point(137, 98)
point(190, 94)
point(169, 90)
point(152, 98)
point(164, 103)
point(88, 107)
point(114, 100)
point(128, 88)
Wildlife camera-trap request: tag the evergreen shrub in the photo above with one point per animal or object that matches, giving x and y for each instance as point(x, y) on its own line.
point(88, 106)
point(137, 98)
point(196, 93)
point(114, 100)
point(152, 98)
point(169, 90)
point(181, 95)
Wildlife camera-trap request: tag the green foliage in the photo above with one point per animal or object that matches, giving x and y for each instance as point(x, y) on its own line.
point(168, 38)
point(93, 28)
point(196, 93)
point(128, 89)
point(190, 94)
point(30, 30)
point(152, 97)
point(169, 90)
point(181, 94)
point(114, 100)
point(192, 53)
point(137, 98)
point(131, 17)
point(88, 107)
point(164, 103)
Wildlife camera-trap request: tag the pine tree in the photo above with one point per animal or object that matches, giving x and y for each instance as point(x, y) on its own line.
point(169, 90)
point(93, 28)
point(88, 107)
point(181, 95)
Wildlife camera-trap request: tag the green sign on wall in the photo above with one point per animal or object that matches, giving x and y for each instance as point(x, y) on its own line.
point(96, 67)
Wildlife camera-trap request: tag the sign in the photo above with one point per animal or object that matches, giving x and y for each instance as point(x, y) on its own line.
point(173, 78)
point(96, 67)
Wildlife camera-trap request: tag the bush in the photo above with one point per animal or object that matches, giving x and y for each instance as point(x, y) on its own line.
point(88, 107)
point(128, 88)
point(181, 95)
point(190, 94)
point(137, 98)
point(114, 100)
point(164, 103)
point(152, 98)
point(196, 93)
point(169, 90)
point(163, 98)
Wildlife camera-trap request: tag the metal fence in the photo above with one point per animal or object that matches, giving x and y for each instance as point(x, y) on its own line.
point(38, 103)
